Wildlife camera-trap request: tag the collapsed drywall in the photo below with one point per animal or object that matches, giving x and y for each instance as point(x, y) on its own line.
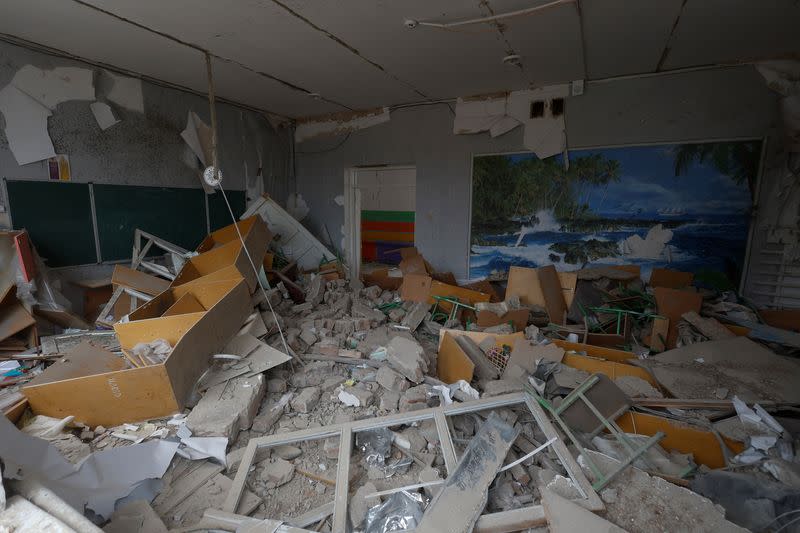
point(539, 111)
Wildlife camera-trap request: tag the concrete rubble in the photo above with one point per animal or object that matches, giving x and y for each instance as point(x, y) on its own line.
point(358, 353)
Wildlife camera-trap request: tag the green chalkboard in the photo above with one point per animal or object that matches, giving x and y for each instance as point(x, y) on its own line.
point(176, 215)
point(218, 212)
point(58, 217)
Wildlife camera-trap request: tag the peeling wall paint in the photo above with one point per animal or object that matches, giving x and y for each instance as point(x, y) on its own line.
point(339, 123)
point(145, 147)
point(722, 104)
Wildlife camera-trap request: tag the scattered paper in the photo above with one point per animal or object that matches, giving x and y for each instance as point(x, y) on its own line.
point(204, 447)
point(98, 482)
point(104, 115)
point(348, 399)
point(52, 87)
point(126, 92)
point(26, 126)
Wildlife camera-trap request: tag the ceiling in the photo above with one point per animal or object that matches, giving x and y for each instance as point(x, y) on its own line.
point(302, 58)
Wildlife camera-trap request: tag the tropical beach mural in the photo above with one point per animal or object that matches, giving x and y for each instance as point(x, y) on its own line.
point(681, 206)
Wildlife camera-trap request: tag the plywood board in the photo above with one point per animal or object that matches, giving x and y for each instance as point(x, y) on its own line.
point(187, 303)
point(679, 437)
point(480, 336)
point(413, 265)
point(610, 368)
point(524, 283)
point(672, 279)
point(463, 295)
point(486, 287)
point(517, 317)
point(553, 297)
point(137, 280)
point(672, 303)
point(659, 334)
point(381, 278)
point(13, 317)
point(568, 280)
point(416, 288)
point(452, 364)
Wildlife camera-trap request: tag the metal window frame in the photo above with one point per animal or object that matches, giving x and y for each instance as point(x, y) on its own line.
point(505, 521)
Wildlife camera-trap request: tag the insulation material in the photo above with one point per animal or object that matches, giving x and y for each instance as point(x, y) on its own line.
point(52, 87)
point(340, 123)
point(103, 114)
point(783, 77)
point(126, 92)
point(543, 124)
point(26, 126)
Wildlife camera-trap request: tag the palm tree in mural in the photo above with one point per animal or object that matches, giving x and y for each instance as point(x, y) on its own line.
point(737, 160)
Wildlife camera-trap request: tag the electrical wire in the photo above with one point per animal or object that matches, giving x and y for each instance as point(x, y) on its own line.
point(289, 351)
point(787, 513)
point(787, 524)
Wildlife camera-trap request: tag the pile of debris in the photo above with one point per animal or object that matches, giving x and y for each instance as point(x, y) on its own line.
point(278, 394)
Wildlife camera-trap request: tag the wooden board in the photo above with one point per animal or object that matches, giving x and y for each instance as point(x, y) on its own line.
point(464, 295)
point(518, 317)
point(672, 279)
point(187, 303)
point(619, 356)
point(416, 288)
point(703, 445)
point(138, 280)
point(13, 317)
point(672, 303)
point(452, 364)
point(524, 283)
point(610, 368)
point(569, 281)
point(659, 334)
point(553, 296)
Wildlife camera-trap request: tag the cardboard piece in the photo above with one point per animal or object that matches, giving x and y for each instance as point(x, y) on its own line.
point(464, 295)
point(138, 280)
point(543, 287)
point(671, 279)
point(413, 265)
point(221, 256)
point(524, 283)
point(569, 281)
point(518, 317)
point(416, 288)
point(553, 296)
point(672, 304)
point(93, 386)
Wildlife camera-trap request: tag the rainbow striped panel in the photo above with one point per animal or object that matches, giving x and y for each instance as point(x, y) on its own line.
point(383, 231)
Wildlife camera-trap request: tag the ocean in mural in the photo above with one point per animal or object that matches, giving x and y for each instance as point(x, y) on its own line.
point(684, 207)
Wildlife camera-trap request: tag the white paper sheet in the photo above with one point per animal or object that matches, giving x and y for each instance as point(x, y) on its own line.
point(26, 126)
point(104, 115)
point(52, 87)
point(99, 481)
point(126, 92)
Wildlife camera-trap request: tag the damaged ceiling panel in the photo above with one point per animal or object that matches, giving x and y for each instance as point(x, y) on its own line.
point(549, 42)
point(720, 31)
point(269, 39)
point(440, 63)
point(608, 43)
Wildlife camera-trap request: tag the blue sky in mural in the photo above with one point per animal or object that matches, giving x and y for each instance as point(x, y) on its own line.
point(701, 214)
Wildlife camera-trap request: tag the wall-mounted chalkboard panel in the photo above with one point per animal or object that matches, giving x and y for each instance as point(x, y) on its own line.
point(218, 212)
point(176, 215)
point(58, 217)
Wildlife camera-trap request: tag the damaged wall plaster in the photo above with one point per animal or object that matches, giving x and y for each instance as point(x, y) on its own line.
point(145, 147)
point(679, 107)
point(536, 110)
point(339, 123)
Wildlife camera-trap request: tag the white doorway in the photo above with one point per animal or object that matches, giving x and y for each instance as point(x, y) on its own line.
point(380, 213)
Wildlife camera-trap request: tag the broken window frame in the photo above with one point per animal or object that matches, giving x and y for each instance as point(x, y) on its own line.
point(512, 520)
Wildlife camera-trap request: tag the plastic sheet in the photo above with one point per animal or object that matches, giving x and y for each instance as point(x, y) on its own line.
point(401, 511)
point(375, 445)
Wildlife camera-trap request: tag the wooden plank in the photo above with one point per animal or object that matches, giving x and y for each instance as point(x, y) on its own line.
point(517, 317)
point(187, 303)
point(553, 296)
point(13, 317)
point(672, 304)
point(569, 281)
point(683, 438)
point(610, 368)
point(137, 280)
point(524, 283)
point(341, 494)
point(452, 364)
point(672, 279)
point(659, 334)
point(619, 356)
point(415, 287)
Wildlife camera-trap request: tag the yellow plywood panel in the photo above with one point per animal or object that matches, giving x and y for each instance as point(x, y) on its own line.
point(609, 368)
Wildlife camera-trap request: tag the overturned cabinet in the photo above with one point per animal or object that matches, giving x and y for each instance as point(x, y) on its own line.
point(102, 388)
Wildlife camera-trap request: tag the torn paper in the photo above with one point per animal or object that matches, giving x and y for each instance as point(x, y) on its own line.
point(197, 135)
point(98, 482)
point(104, 115)
point(543, 134)
point(52, 87)
point(126, 92)
point(26, 126)
point(340, 123)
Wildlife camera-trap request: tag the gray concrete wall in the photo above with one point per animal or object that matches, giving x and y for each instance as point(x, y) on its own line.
point(719, 104)
point(146, 149)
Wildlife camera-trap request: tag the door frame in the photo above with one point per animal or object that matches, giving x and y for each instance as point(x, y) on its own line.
point(352, 214)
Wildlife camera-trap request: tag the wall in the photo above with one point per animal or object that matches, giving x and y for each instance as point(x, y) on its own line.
point(712, 104)
point(146, 149)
